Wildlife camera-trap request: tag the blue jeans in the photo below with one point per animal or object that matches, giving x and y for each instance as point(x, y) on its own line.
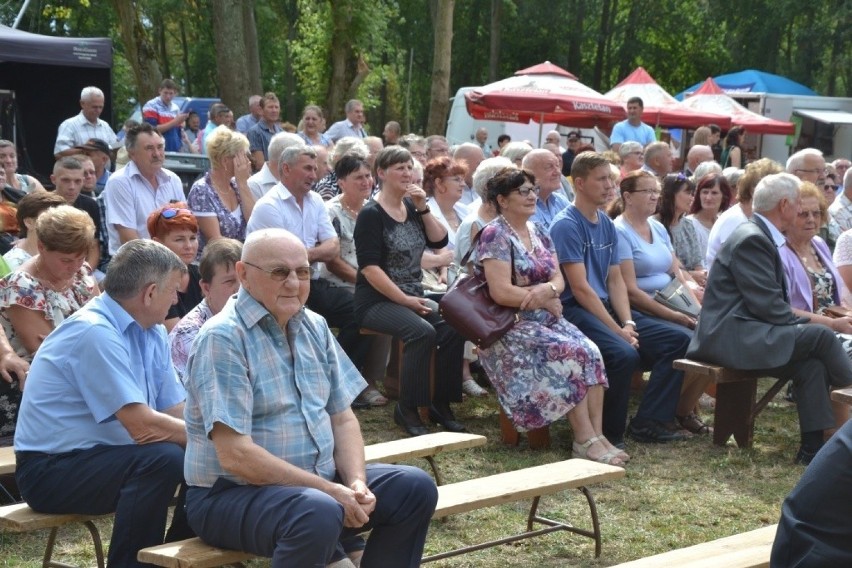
point(299, 526)
point(660, 343)
point(137, 482)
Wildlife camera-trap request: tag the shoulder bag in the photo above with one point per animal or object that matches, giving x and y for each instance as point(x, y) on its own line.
point(674, 297)
point(468, 308)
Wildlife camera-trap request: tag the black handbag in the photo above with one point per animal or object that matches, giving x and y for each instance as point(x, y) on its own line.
point(469, 309)
point(674, 297)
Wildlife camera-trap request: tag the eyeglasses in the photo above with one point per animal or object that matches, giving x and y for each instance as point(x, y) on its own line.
point(805, 214)
point(830, 187)
point(281, 273)
point(525, 191)
point(171, 212)
point(679, 176)
point(810, 171)
point(418, 154)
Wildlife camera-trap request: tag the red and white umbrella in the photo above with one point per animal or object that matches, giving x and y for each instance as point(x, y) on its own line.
point(544, 93)
point(660, 107)
point(709, 97)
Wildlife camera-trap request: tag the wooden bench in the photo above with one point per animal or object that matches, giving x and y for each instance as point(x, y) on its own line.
point(19, 518)
point(746, 550)
point(842, 395)
point(737, 405)
point(502, 488)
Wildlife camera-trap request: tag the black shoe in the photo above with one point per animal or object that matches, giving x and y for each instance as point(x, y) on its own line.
point(653, 432)
point(805, 455)
point(443, 415)
point(411, 423)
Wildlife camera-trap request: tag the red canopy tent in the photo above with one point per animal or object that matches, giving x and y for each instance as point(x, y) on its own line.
point(660, 107)
point(543, 93)
point(709, 97)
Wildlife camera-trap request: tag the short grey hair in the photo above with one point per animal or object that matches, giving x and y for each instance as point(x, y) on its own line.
point(532, 157)
point(280, 142)
point(653, 149)
point(486, 170)
point(409, 140)
point(797, 160)
point(349, 145)
point(704, 168)
point(772, 189)
point(847, 179)
point(137, 264)
point(350, 105)
point(89, 92)
point(628, 148)
point(733, 175)
point(291, 154)
point(516, 150)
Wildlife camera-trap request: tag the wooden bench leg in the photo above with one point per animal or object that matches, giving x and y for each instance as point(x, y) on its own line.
point(538, 439)
point(48, 561)
point(735, 413)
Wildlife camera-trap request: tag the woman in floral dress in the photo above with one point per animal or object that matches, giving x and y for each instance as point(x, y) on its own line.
point(544, 368)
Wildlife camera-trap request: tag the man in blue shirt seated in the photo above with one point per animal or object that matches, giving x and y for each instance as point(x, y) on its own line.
point(544, 166)
point(100, 429)
point(275, 458)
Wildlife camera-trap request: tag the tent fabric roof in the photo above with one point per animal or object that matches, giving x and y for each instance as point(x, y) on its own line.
point(553, 96)
point(826, 116)
point(709, 97)
point(755, 81)
point(660, 107)
point(24, 47)
point(546, 68)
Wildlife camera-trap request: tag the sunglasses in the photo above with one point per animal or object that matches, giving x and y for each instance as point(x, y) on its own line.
point(525, 191)
point(281, 273)
point(677, 177)
point(171, 212)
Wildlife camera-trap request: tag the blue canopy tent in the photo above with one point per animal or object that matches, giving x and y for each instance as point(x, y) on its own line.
point(754, 81)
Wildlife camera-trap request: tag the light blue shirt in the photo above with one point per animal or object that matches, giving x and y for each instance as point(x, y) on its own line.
point(280, 389)
point(278, 209)
point(98, 361)
point(546, 210)
point(345, 128)
point(625, 132)
point(652, 261)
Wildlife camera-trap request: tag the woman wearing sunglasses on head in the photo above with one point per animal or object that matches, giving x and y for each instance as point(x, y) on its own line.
point(175, 226)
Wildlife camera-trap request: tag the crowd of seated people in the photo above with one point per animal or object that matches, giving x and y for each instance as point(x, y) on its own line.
point(385, 230)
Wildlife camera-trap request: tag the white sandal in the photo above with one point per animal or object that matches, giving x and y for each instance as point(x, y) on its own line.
point(581, 451)
point(472, 388)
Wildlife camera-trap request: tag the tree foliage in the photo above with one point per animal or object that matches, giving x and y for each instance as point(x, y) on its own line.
point(381, 51)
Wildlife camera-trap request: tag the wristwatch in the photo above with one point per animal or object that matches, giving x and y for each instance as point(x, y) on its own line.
point(423, 211)
point(629, 322)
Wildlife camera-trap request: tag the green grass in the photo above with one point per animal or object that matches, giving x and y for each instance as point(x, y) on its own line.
point(673, 496)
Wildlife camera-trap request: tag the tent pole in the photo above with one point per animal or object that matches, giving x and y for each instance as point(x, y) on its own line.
point(540, 128)
point(20, 14)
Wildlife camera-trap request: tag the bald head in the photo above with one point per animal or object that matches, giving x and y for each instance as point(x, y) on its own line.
point(544, 165)
point(471, 155)
point(266, 244)
point(698, 154)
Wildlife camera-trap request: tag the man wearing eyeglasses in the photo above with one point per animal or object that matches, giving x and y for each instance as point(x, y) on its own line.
point(275, 457)
point(142, 186)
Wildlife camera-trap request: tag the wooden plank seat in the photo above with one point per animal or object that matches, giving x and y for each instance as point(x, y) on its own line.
point(745, 550)
point(19, 518)
point(7, 460)
point(842, 395)
point(737, 405)
point(465, 496)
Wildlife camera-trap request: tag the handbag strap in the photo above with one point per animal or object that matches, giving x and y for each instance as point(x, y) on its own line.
point(475, 240)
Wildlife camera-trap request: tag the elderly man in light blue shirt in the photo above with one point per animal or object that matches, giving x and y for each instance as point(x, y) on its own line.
point(100, 429)
point(275, 457)
point(545, 166)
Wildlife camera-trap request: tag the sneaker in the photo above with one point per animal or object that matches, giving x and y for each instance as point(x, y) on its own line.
point(653, 432)
point(805, 456)
point(472, 388)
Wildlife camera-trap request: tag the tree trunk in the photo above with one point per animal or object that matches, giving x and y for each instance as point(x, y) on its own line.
point(187, 69)
point(255, 85)
point(139, 50)
point(575, 37)
point(494, 52)
point(231, 56)
point(603, 34)
point(340, 49)
point(439, 104)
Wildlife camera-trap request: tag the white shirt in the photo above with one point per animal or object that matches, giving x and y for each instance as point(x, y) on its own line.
point(261, 182)
point(729, 220)
point(129, 199)
point(279, 209)
point(77, 130)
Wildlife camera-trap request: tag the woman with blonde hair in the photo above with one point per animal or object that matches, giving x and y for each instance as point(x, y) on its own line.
point(311, 126)
point(222, 200)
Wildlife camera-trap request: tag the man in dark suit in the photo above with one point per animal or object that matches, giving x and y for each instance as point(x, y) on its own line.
point(746, 321)
point(815, 527)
